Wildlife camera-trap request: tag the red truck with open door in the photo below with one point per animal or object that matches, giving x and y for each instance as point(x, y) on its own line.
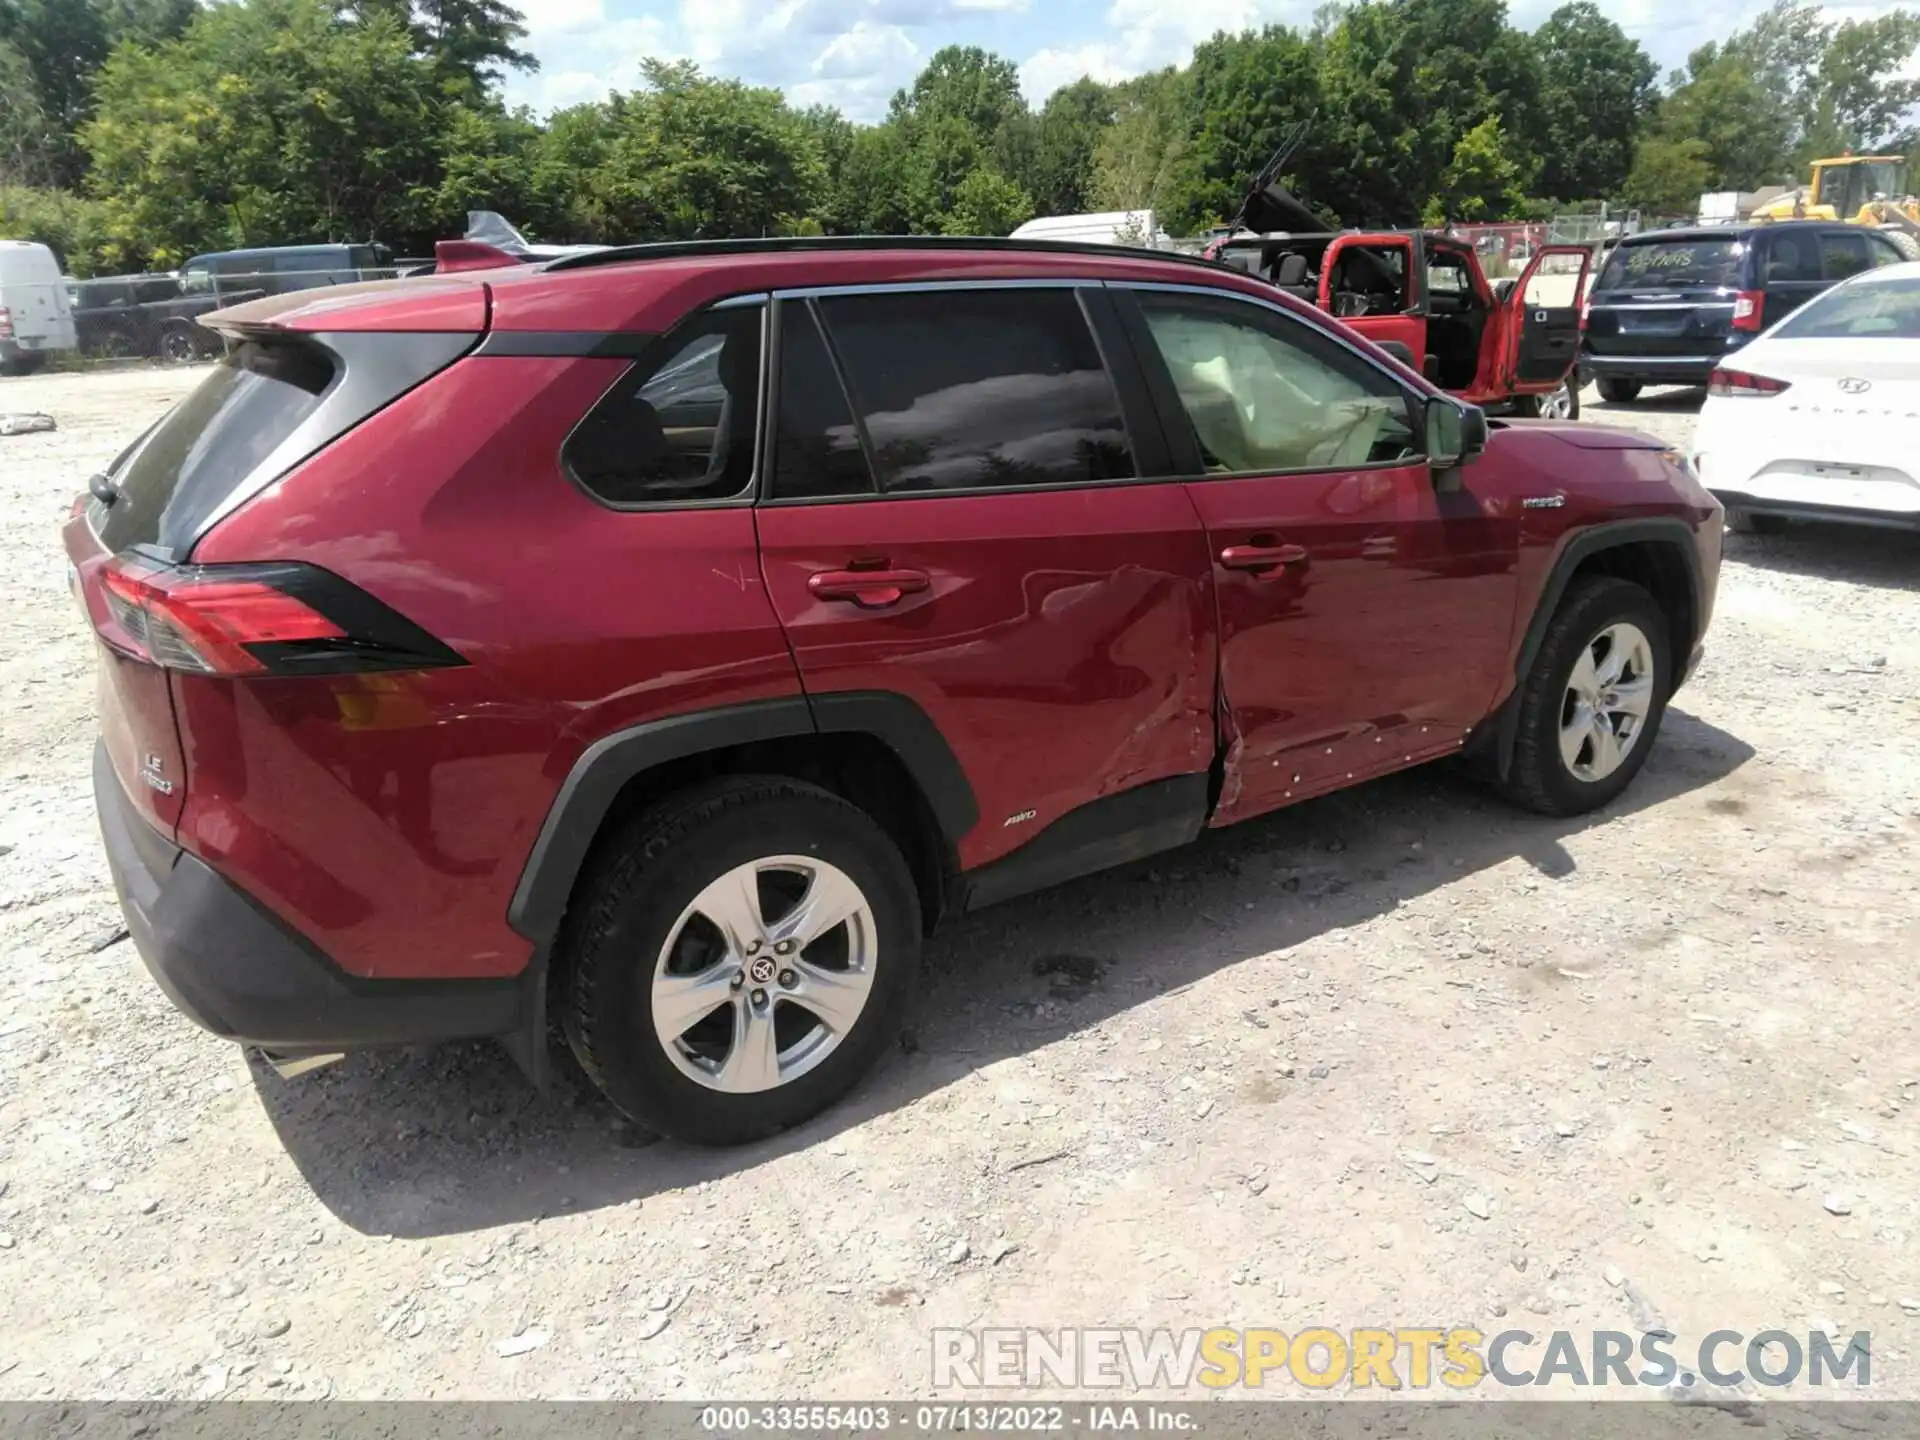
point(1423, 294)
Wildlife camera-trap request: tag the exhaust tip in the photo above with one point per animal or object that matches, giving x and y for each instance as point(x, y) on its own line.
point(292, 1067)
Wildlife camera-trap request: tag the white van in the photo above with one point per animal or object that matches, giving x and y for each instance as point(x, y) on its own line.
point(1136, 228)
point(36, 317)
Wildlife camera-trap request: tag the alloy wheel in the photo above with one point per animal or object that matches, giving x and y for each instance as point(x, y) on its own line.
point(1608, 697)
point(1558, 405)
point(765, 974)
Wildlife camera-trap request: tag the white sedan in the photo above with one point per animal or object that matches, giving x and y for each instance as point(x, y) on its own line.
point(1819, 417)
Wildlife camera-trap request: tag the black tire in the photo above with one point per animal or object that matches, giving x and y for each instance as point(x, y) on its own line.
point(1538, 777)
point(635, 891)
point(1619, 392)
point(1745, 522)
point(178, 347)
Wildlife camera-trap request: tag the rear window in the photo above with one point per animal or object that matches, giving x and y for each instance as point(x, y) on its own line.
point(1674, 264)
point(1884, 310)
point(213, 440)
point(263, 394)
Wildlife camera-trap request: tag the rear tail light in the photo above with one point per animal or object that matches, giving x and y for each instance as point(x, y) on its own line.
point(6, 323)
point(1739, 382)
point(252, 620)
point(1749, 311)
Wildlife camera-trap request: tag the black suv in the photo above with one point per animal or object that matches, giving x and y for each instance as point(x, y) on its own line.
point(1670, 305)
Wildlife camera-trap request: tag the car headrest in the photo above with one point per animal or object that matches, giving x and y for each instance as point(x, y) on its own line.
point(1292, 269)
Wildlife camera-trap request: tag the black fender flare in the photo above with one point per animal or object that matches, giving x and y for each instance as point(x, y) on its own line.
point(1578, 547)
point(606, 766)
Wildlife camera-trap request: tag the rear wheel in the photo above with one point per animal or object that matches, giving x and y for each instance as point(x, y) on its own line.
point(177, 347)
point(1593, 701)
point(1619, 392)
point(738, 957)
point(1745, 522)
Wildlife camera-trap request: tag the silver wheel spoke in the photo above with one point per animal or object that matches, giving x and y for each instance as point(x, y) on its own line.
point(1633, 697)
point(835, 997)
point(1606, 748)
point(1574, 737)
point(753, 1062)
point(733, 904)
point(831, 900)
point(1585, 681)
point(682, 1001)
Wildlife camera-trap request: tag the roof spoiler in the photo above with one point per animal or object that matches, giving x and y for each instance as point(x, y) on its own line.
point(453, 256)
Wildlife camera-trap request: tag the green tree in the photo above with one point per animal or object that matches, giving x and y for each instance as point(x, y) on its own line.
point(63, 42)
point(1481, 181)
point(1668, 176)
point(26, 140)
point(987, 203)
point(64, 222)
point(1144, 159)
point(1746, 128)
point(1596, 92)
point(474, 39)
point(696, 158)
point(968, 84)
point(1066, 133)
point(1404, 80)
point(1863, 97)
point(1243, 94)
point(267, 122)
point(147, 22)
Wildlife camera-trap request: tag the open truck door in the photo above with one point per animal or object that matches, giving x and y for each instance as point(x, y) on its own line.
point(1543, 317)
point(1372, 281)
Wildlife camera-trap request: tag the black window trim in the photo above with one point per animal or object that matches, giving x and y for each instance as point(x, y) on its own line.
point(654, 350)
point(1174, 419)
point(1143, 426)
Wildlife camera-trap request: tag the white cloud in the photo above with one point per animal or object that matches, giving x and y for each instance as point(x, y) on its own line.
point(583, 54)
point(1148, 34)
point(866, 50)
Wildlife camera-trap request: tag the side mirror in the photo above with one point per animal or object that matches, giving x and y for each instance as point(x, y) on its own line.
point(1456, 433)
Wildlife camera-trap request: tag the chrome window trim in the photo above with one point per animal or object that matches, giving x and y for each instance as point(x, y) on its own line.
point(909, 287)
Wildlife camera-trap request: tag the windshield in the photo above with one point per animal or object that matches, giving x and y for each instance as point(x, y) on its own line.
point(1671, 264)
point(1882, 310)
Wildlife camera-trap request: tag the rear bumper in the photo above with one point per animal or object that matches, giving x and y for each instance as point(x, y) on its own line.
point(235, 969)
point(1806, 510)
point(1650, 369)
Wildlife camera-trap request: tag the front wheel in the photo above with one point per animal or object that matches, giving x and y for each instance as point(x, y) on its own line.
point(1592, 703)
point(1619, 392)
point(738, 957)
point(1561, 404)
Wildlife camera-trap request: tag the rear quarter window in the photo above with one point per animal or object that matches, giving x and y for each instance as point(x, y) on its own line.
point(219, 441)
point(1882, 310)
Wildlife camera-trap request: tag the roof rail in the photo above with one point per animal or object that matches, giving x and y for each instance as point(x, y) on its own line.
point(792, 244)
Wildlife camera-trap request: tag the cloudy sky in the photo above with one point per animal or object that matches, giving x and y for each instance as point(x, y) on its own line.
point(856, 53)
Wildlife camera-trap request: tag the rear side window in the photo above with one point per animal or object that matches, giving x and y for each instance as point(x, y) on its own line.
point(1842, 254)
point(1793, 258)
point(268, 405)
point(979, 389)
point(1674, 264)
point(679, 426)
point(213, 440)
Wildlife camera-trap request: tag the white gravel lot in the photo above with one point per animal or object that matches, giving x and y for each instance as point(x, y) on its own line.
point(1400, 1056)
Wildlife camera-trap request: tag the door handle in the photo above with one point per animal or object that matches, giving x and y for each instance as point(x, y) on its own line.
point(1262, 557)
point(869, 589)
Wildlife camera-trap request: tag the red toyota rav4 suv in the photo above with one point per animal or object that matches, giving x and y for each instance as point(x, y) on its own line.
point(669, 637)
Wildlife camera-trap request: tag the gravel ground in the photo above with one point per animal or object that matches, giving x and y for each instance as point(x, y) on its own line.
point(1399, 1056)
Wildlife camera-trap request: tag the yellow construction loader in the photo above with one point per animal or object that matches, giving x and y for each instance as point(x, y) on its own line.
point(1859, 189)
